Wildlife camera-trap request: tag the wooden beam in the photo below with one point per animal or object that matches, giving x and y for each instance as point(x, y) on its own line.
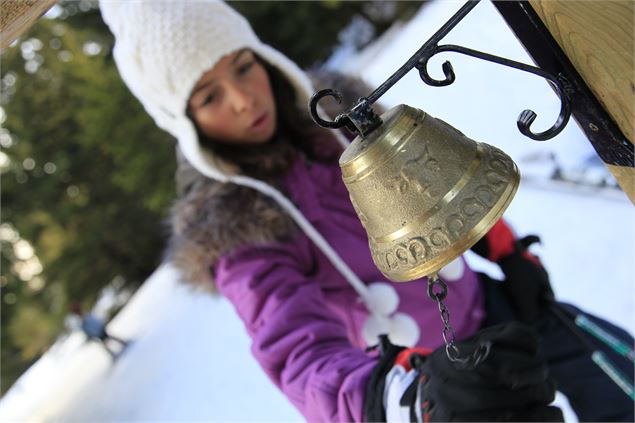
point(16, 16)
point(597, 37)
point(591, 45)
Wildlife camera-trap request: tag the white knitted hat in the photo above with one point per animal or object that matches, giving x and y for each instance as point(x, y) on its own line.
point(162, 49)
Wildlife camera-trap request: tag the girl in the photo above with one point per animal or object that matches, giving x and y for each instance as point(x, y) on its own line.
point(269, 226)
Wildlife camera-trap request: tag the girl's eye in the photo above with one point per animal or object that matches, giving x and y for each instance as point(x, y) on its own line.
point(209, 98)
point(245, 67)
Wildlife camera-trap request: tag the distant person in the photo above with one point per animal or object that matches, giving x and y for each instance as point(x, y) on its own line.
point(269, 225)
point(95, 329)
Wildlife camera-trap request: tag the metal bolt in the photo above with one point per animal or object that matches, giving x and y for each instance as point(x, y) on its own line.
point(593, 127)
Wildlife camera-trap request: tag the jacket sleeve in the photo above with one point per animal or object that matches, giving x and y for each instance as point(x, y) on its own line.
point(301, 346)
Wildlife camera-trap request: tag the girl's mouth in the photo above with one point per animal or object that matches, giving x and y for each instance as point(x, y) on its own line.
point(260, 122)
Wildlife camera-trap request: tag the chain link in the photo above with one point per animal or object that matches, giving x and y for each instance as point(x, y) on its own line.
point(437, 291)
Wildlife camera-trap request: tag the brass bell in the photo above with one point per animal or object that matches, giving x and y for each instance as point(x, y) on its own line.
point(424, 192)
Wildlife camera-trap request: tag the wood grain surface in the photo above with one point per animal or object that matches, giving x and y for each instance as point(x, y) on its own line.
point(16, 16)
point(598, 38)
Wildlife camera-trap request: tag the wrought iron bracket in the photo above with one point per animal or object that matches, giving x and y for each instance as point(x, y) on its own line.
point(610, 143)
point(361, 119)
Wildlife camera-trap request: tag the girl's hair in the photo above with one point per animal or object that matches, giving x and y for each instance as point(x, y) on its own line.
point(295, 132)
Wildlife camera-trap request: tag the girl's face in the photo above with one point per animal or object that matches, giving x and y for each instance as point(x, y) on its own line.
point(233, 102)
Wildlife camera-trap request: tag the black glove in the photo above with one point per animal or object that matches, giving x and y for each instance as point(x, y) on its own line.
point(526, 284)
point(510, 384)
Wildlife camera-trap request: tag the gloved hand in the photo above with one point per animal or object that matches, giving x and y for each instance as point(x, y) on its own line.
point(510, 384)
point(526, 282)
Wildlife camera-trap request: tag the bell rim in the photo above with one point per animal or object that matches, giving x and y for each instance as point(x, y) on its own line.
point(472, 237)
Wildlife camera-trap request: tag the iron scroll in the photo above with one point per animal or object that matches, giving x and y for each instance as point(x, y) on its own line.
point(362, 120)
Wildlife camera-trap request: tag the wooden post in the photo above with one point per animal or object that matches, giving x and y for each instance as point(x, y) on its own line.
point(598, 39)
point(16, 16)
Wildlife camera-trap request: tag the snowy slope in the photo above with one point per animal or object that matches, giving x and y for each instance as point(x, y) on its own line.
point(189, 360)
point(190, 357)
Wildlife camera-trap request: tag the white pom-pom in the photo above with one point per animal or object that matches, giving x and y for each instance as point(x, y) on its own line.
point(404, 330)
point(382, 298)
point(453, 271)
point(373, 327)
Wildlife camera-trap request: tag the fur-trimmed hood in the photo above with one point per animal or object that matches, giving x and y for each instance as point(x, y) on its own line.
point(215, 218)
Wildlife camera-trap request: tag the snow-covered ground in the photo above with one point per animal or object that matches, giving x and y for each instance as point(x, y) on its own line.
point(189, 360)
point(190, 357)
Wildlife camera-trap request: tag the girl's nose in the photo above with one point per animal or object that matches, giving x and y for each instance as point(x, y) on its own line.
point(241, 99)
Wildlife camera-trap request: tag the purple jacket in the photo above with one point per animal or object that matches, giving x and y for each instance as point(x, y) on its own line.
point(303, 316)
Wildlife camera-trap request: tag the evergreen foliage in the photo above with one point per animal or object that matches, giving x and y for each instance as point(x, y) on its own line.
point(89, 182)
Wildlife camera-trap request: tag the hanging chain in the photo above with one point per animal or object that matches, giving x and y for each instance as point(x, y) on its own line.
point(437, 291)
